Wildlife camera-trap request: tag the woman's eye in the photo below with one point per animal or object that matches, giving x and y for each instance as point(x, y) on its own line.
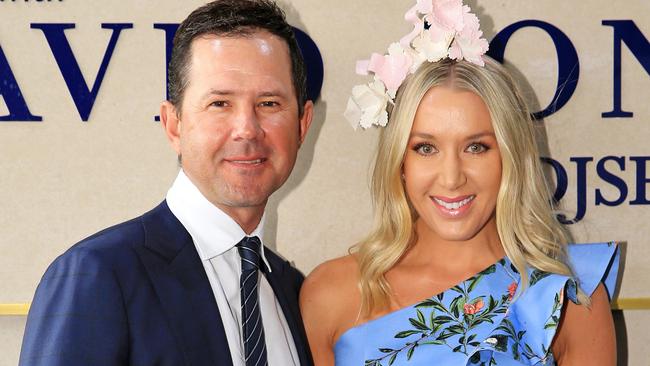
point(476, 148)
point(425, 149)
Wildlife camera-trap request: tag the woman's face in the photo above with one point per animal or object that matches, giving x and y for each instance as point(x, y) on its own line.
point(452, 164)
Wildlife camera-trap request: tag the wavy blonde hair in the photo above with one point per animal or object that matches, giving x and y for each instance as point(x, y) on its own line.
point(529, 232)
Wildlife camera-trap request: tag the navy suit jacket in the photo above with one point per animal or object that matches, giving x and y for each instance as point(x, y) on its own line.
point(137, 294)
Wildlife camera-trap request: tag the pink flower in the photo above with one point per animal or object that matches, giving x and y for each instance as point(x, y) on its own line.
point(470, 49)
point(468, 43)
point(471, 309)
point(471, 25)
point(512, 289)
point(452, 31)
point(391, 69)
point(412, 16)
point(449, 13)
point(421, 7)
point(424, 6)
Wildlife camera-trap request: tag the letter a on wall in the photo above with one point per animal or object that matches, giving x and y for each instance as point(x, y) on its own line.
point(13, 97)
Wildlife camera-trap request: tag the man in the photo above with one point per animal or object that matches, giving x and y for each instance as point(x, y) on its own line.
point(188, 283)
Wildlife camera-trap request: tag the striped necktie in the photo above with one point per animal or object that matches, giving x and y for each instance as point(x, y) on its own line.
point(253, 329)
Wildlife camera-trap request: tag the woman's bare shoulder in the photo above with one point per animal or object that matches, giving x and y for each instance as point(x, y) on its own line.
point(330, 300)
point(336, 276)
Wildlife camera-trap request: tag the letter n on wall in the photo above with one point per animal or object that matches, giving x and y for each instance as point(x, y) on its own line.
point(626, 31)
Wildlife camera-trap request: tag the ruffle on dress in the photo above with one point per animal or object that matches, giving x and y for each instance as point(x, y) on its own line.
point(525, 334)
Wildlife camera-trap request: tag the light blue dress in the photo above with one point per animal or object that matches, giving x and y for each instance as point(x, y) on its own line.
point(480, 321)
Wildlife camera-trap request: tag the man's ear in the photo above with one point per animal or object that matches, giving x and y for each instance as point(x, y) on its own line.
point(305, 120)
point(171, 124)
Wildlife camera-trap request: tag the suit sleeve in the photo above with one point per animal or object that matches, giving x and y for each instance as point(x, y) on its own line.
point(77, 316)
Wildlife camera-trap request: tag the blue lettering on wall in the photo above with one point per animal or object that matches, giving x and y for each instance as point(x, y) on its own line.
point(626, 31)
point(13, 97)
point(567, 59)
point(605, 175)
point(561, 178)
point(313, 63)
point(612, 179)
point(83, 97)
point(170, 30)
point(642, 180)
point(581, 190)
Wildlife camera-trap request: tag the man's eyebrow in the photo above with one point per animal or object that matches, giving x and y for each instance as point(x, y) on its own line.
point(272, 93)
point(212, 92)
point(220, 92)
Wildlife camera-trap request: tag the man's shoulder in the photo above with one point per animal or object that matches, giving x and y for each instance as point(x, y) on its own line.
point(109, 246)
point(102, 250)
point(113, 237)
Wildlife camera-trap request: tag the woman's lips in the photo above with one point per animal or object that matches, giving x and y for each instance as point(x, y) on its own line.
point(453, 207)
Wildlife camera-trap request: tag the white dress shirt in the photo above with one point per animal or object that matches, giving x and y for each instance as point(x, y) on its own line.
point(215, 235)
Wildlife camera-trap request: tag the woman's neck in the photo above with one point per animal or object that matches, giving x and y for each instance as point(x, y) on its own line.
point(476, 253)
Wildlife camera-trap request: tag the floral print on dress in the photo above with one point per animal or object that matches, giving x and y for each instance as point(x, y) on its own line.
point(454, 324)
point(480, 321)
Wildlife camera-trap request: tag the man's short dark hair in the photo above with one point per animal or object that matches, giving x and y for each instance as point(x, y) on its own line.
point(233, 18)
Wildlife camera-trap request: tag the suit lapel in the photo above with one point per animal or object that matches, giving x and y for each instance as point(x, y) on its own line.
point(184, 291)
point(286, 290)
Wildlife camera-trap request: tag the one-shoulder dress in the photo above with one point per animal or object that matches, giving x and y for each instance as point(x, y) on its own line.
point(482, 320)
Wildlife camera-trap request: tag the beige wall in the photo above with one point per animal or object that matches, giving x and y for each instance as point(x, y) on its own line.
point(65, 179)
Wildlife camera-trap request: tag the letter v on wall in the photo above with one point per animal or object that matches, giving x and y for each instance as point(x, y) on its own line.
point(82, 95)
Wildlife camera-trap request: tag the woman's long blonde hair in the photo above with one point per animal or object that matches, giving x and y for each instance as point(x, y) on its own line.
point(528, 230)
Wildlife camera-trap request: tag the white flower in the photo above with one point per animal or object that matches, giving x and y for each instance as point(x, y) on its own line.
point(433, 50)
point(491, 341)
point(441, 28)
point(367, 105)
point(417, 57)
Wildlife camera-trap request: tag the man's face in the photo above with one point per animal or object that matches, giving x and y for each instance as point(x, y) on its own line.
point(238, 130)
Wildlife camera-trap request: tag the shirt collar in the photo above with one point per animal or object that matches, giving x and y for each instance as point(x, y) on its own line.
point(213, 231)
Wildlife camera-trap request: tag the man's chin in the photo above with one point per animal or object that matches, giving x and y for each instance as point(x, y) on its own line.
point(245, 198)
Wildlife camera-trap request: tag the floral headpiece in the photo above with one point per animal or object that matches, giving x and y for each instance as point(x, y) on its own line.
point(441, 29)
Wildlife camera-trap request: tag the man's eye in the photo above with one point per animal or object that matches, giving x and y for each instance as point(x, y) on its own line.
point(269, 103)
point(424, 149)
point(218, 103)
point(476, 148)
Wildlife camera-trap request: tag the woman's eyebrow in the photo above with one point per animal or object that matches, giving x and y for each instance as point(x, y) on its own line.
point(481, 134)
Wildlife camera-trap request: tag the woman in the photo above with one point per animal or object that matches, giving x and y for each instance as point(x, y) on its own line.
point(467, 264)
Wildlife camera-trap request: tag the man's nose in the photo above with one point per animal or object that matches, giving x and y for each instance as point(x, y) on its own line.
point(246, 124)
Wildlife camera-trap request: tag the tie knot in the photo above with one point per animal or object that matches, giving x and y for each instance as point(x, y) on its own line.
point(249, 251)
